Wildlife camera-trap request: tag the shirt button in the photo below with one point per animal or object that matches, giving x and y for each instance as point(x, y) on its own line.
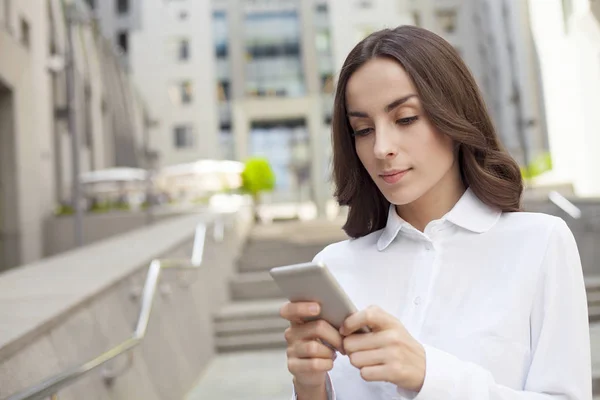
point(417, 300)
point(428, 246)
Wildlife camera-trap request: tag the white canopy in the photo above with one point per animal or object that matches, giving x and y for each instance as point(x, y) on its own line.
point(121, 174)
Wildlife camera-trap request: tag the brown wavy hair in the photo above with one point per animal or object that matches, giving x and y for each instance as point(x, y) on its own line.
point(454, 105)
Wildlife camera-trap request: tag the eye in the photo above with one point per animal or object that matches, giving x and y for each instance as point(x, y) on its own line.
point(362, 132)
point(407, 121)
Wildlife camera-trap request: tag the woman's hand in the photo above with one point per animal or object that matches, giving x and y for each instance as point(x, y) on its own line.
point(389, 353)
point(308, 358)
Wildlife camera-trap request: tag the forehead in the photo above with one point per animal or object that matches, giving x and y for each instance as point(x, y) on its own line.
point(377, 83)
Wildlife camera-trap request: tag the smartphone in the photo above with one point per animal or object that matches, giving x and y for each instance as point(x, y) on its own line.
point(313, 282)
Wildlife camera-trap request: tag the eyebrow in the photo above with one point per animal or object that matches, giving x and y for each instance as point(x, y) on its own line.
point(392, 106)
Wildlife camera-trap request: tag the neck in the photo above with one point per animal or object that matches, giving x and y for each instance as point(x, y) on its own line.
point(434, 204)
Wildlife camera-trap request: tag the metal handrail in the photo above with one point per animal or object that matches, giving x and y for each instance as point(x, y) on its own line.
point(51, 386)
point(564, 204)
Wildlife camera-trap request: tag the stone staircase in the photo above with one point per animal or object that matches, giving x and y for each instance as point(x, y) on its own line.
point(251, 321)
point(592, 287)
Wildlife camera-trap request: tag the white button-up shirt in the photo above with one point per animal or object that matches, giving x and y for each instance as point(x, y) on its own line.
point(497, 300)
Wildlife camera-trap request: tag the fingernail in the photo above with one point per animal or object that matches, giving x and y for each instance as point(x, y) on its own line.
point(314, 309)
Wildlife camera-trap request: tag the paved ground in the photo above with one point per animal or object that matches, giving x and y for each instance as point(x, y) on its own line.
point(261, 375)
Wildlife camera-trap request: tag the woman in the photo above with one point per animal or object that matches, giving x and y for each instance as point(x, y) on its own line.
point(466, 297)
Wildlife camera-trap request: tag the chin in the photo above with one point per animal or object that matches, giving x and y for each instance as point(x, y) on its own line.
point(401, 196)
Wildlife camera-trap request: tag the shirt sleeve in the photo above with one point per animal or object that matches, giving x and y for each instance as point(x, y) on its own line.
point(560, 365)
point(328, 387)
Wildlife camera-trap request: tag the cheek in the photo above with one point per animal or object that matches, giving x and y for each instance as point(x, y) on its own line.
point(436, 152)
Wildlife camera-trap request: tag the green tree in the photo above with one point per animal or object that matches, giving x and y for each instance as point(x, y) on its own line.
point(257, 177)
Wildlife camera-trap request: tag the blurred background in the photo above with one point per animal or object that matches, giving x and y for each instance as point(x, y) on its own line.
point(125, 124)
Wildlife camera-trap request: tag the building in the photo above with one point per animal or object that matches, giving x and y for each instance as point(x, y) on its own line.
point(36, 147)
point(494, 38)
point(567, 39)
point(351, 21)
point(171, 60)
point(274, 77)
point(117, 20)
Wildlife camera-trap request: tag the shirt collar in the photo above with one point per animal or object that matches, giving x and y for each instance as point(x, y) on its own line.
point(469, 213)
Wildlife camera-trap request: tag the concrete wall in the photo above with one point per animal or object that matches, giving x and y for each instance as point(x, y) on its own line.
point(59, 231)
point(179, 341)
point(24, 73)
point(586, 229)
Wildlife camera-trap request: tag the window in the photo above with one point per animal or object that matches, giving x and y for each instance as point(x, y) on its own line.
point(446, 20)
point(123, 41)
point(223, 89)
point(25, 33)
point(122, 7)
point(220, 33)
point(181, 93)
point(88, 123)
point(183, 50)
point(322, 8)
point(323, 40)
point(327, 84)
point(183, 136)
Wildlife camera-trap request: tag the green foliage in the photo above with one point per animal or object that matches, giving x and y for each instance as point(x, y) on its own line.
point(538, 166)
point(121, 206)
point(64, 209)
point(100, 207)
point(257, 176)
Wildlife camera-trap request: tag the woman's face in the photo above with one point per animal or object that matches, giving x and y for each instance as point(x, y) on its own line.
point(399, 147)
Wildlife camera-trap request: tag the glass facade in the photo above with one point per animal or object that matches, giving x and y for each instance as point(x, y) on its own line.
point(273, 54)
point(223, 84)
point(286, 145)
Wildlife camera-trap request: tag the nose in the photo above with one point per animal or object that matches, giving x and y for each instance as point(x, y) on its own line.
point(385, 146)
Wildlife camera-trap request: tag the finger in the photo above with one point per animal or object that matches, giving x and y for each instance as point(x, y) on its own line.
point(318, 329)
point(372, 317)
point(311, 349)
point(361, 342)
point(368, 358)
point(306, 365)
point(372, 341)
point(376, 373)
point(300, 311)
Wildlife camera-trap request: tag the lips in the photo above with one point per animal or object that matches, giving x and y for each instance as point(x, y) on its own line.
point(394, 176)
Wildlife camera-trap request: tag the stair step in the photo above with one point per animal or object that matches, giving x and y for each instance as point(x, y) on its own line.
point(245, 310)
point(593, 298)
point(250, 342)
point(592, 283)
point(253, 326)
point(265, 260)
point(253, 286)
point(594, 313)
